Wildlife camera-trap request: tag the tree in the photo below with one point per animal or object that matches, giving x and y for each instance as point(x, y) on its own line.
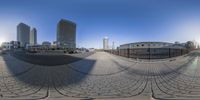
point(190, 45)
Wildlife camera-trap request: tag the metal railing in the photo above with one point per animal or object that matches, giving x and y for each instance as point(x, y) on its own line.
point(149, 53)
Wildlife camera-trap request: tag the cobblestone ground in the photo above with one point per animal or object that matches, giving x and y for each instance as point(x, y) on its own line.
point(102, 76)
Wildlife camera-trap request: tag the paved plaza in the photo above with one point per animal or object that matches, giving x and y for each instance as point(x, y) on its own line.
point(102, 76)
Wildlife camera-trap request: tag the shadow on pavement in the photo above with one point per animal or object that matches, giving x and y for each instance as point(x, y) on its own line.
point(49, 60)
point(40, 76)
point(177, 70)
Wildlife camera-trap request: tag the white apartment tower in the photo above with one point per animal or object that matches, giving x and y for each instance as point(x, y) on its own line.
point(105, 43)
point(33, 37)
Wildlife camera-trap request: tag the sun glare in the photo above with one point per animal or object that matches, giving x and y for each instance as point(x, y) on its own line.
point(2, 40)
point(198, 41)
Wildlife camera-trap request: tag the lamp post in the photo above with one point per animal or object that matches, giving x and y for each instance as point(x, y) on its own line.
point(149, 51)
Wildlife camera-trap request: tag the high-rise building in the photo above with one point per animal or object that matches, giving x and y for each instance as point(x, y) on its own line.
point(66, 34)
point(23, 34)
point(105, 43)
point(33, 36)
point(113, 45)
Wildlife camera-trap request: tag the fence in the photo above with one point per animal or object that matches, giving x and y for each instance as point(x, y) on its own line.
point(149, 53)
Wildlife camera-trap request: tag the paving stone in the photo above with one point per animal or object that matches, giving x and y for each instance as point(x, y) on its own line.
point(101, 76)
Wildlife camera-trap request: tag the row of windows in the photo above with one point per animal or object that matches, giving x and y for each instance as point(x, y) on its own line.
point(141, 45)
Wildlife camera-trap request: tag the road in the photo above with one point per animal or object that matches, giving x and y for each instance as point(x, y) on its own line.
point(102, 76)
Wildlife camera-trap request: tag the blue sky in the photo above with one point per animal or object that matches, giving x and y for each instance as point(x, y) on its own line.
point(123, 21)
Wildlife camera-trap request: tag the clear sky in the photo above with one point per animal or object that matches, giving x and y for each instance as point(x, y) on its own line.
point(123, 21)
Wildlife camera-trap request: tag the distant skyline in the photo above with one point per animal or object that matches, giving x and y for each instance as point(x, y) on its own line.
point(123, 21)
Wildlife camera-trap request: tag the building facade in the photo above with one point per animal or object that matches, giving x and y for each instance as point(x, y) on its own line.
point(33, 37)
point(6, 45)
point(23, 34)
point(146, 45)
point(106, 43)
point(46, 43)
point(66, 34)
point(10, 45)
point(151, 50)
